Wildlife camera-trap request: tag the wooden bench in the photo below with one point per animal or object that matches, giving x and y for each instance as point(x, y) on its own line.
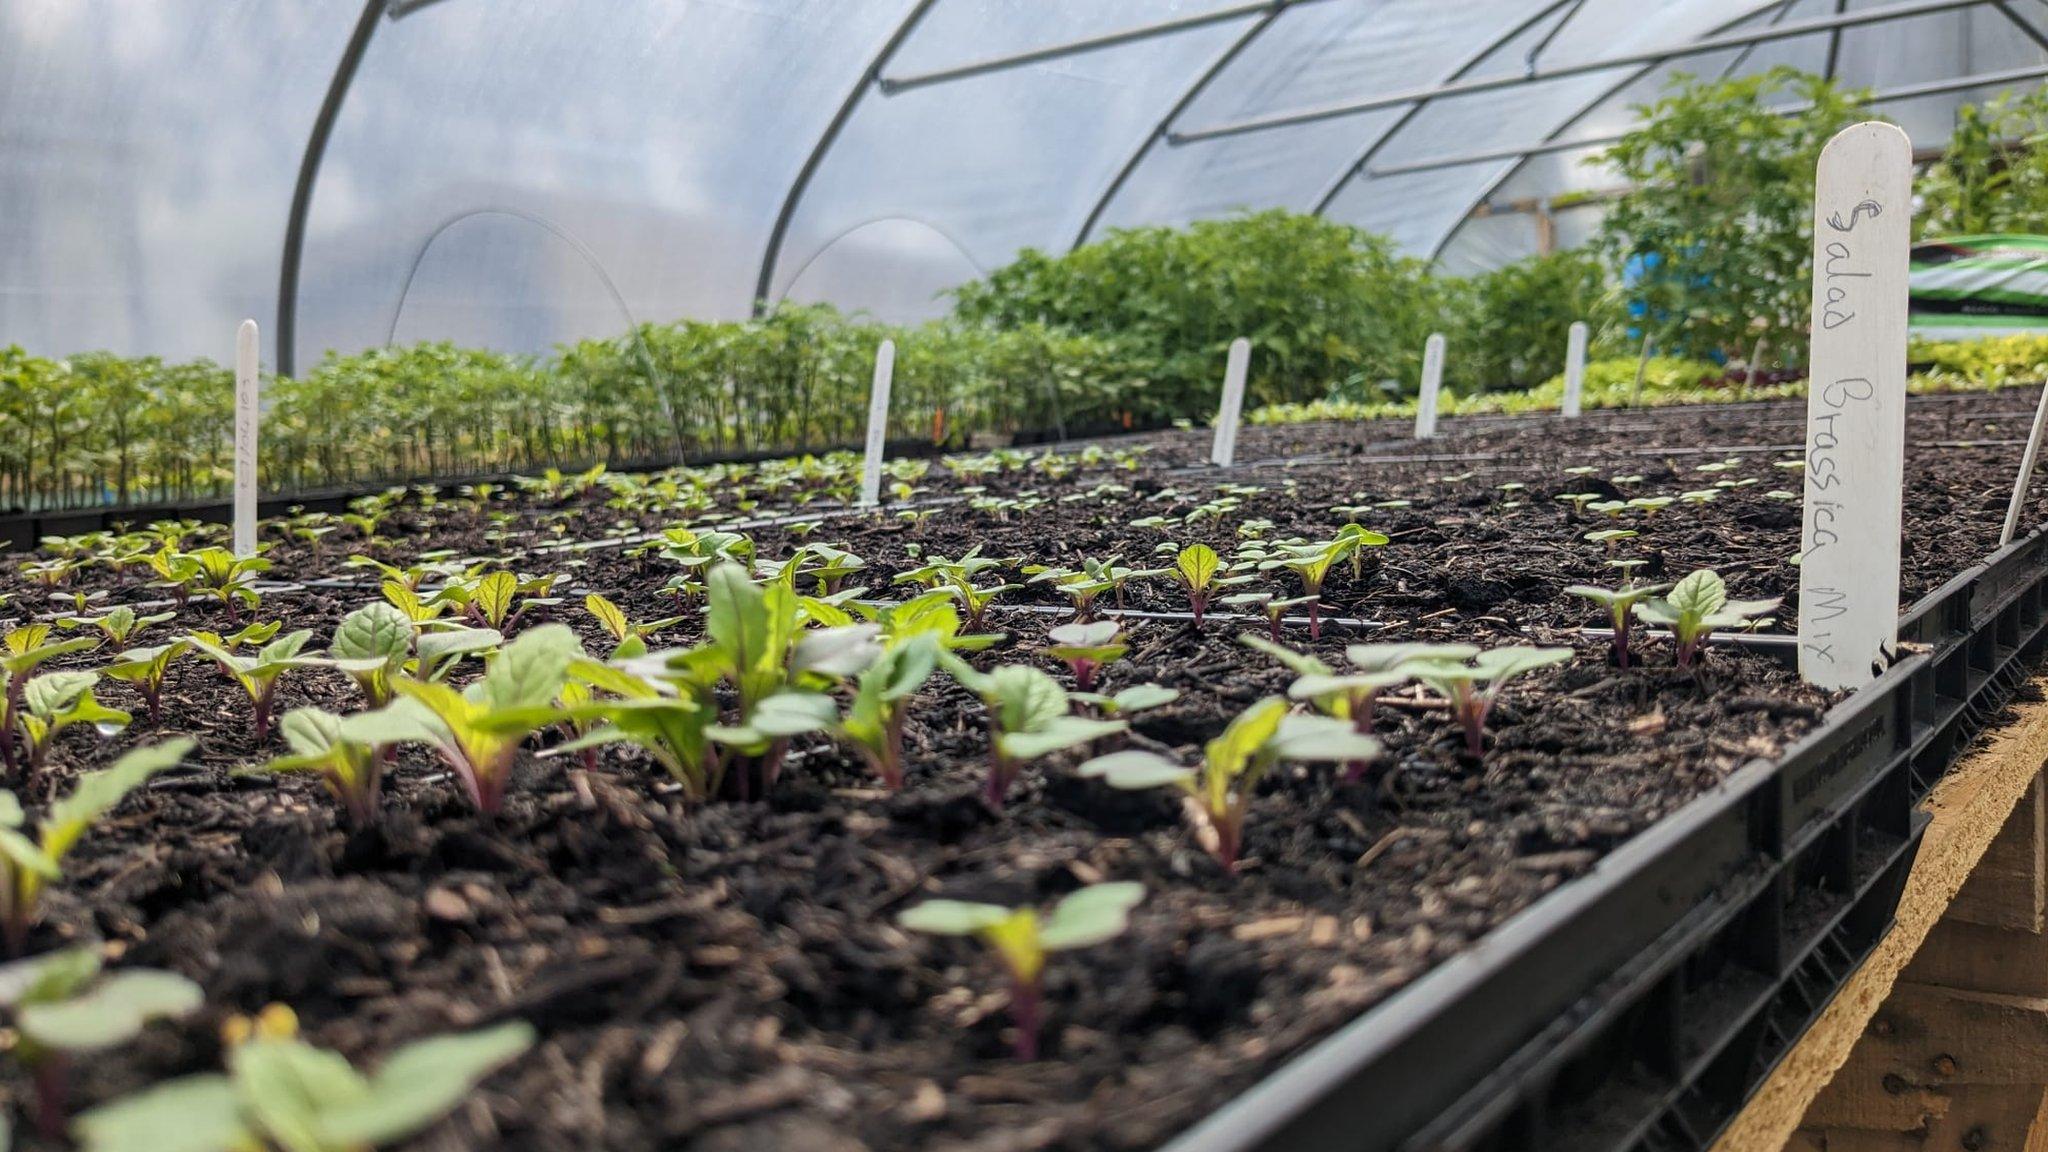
point(1940, 1041)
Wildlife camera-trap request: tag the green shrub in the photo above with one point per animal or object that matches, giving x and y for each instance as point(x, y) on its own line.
point(1991, 362)
point(1993, 177)
point(1322, 303)
point(1521, 316)
point(1720, 190)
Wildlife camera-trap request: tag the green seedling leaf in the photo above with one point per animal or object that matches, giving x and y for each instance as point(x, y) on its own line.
point(1021, 939)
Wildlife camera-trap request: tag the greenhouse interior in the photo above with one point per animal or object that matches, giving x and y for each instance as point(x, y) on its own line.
point(1023, 575)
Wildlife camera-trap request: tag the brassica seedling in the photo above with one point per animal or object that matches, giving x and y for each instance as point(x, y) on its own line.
point(830, 566)
point(28, 865)
point(229, 578)
point(1620, 603)
point(346, 752)
point(1276, 611)
point(1130, 701)
point(1022, 939)
point(957, 576)
point(489, 602)
point(874, 720)
point(1086, 649)
point(119, 624)
point(416, 608)
point(631, 638)
point(1029, 716)
point(1220, 790)
point(1473, 688)
point(1349, 696)
point(22, 650)
point(498, 600)
point(1078, 587)
point(1697, 607)
point(1312, 563)
point(669, 721)
point(146, 668)
point(932, 614)
point(1195, 568)
point(370, 645)
point(1610, 537)
point(1578, 500)
point(175, 571)
point(759, 657)
point(281, 1092)
point(58, 700)
point(976, 599)
point(258, 675)
point(63, 1007)
point(698, 552)
point(1259, 601)
point(477, 730)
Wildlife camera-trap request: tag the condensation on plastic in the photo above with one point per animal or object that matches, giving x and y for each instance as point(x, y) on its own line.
point(517, 173)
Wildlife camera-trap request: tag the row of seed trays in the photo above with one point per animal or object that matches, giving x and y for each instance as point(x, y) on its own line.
point(1049, 805)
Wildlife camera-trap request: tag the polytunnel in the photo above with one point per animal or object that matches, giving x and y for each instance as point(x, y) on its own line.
point(513, 175)
point(1023, 575)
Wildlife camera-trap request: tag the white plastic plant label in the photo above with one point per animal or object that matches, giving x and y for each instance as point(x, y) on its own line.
point(878, 423)
point(248, 416)
point(1432, 384)
point(1574, 368)
point(1855, 408)
point(1223, 451)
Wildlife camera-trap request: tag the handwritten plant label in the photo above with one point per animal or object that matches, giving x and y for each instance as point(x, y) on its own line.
point(1432, 384)
point(1223, 452)
point(1855, 408)
point(878, 423)
point(1574, 368)
point(248, 416)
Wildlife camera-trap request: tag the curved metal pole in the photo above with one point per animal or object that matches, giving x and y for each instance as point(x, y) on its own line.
point(764, 282)
point(1474, 60)
point(1783, 14)
point(309, 171)
point(545, 225)
point(1834, 42)
point(1534, 53)
point(1187, 99)
point(1436, 250)
point(589, 257)
point(1699, 45)
point(942, 234)
point(895, 85)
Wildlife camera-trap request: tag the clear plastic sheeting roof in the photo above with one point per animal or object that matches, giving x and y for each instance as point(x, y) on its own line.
point(522, 172)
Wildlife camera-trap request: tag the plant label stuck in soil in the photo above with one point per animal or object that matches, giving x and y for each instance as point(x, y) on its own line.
point(1432, 384)
point(1224, 451)
point(1856, 408)
point(247, 384)
point(1574, 368)
point(878, 423)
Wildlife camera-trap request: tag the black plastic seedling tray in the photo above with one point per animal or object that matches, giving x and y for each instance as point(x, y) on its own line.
point(1636, 1008)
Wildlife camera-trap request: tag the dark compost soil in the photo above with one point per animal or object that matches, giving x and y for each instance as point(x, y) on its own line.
point(729, 976)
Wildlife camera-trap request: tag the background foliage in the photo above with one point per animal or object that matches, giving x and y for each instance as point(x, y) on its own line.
point(1322, 303)
point(1129, 331)
point(1995, 176)
point(1720, 201)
